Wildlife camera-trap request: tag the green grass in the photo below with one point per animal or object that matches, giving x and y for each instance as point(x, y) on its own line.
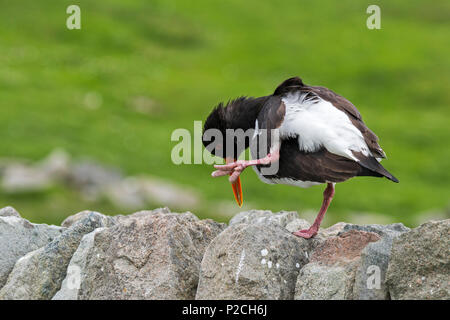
point(186, 57)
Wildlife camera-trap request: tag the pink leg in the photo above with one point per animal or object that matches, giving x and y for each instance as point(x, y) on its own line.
point(234, 169)
point(312, 231)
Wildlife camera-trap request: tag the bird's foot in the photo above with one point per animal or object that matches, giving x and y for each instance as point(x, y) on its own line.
point(234, 169)
point(306, 233)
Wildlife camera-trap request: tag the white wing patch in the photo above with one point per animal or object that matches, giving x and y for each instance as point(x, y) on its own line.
point(319, 124)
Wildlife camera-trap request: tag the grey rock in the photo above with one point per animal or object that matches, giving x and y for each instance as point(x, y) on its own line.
point(148, 255)
point(56, 165)
point(126, 193)
point(370, 278)
point(157, 254)
point(157, 190)
point(419, 267)
point(324, 234)
point(252, 261)
point(135, 192)
point(107, 221)
point(297, 224)
point(144, 213)
point(92, 178)
point(322, 282)
point(282, 218)
point(331, 231)
point(9, 212)
point(38, 274)
point(331, 272)
point(76, 271)
point(18, 237)
point(382, 230)
point(18, 178)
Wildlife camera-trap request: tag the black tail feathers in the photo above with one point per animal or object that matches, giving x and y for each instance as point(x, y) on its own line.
point(373, 165)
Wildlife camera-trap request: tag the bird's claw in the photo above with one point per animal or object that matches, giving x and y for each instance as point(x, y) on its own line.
point(306, 234)
point(231, 166)
point(219, 173)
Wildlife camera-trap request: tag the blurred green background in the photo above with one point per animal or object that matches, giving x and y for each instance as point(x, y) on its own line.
point(116, 89)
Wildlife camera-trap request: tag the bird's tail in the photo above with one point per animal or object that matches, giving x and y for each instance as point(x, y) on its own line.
point(373, 165)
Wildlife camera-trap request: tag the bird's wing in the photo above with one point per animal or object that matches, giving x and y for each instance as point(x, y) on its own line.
point(338, 150)
point(269, 119)
point(347, 107)
point(320, 118)
point(320, 166)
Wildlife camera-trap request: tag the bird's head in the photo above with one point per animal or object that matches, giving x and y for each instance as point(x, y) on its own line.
point(226, 134)
point(221, 132)
point(221, 137)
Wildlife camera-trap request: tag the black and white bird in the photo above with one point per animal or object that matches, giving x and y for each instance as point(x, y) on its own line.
point(322, 140)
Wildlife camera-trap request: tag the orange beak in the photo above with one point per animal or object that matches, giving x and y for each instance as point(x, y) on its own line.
point(237, 188)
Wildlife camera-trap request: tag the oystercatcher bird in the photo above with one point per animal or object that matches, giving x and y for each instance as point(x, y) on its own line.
point(321, 139)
